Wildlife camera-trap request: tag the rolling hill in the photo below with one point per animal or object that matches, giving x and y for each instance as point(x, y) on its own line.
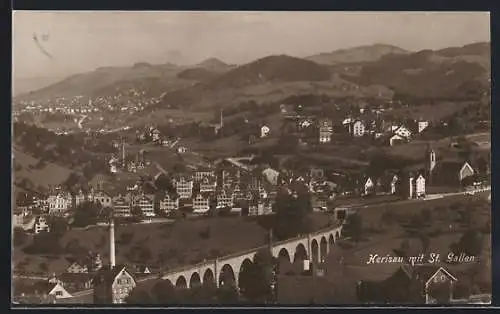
point(40, 174)
point(268, 79)
point(355, 55)
point(452, 73)
point(367, 71)
point(213, 64)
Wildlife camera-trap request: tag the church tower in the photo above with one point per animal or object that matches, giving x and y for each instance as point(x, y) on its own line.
point(431, 162)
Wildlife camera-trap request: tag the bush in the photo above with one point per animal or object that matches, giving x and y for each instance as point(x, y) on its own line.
point(43, 266)
point(20, 237)
point(205, 234)
point(126, 238)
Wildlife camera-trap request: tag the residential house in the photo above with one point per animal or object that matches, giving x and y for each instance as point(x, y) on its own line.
point(41, 225)
point(46, 289)
point(201, 203)
point(146, 202)
point(394, 184)
point(224, 198)
point(325, 131)
point(208, 184)
point(422, 125)
point(200, 174)
point(122, 205)
point(419, 284)
point(89, 263)
point(396, 139)
point(169, 203)
point(271, 175)
point(104, 199)
point(404, 132)
point(74, 282)
point(184, 187)
point(79, 198)
point(77, 268)
point(368, 187)
point(264, 131)
point(59, 202)
point(420, 190)
point(413, 185)
point(18, 217)
point(358, 128)
point(112, 285)
point(452, 173)
point(156, 135)
point(317, 173)
point(320, 201)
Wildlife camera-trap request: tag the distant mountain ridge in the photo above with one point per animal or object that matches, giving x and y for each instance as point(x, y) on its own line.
point(357, 54)
point(346, 72)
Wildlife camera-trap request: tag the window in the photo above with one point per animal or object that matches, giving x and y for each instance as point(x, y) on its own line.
point(59, 293)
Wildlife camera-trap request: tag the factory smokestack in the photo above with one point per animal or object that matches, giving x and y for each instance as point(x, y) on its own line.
point(112, 260)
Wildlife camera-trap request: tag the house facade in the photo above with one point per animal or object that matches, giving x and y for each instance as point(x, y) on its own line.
point(325, 131)
point(104, 198)
point(208, 184)
point(201, 203)
point(122, 206)
point(358, 128)
point(59, 202)
point(146, 204)
point(169, 203)
point(41, 225)
point(224, 199)
point(112, 285)
point(184, 187)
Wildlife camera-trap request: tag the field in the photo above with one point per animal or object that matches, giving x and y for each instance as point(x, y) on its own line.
point(430, 112)
point(416, 150)
point(183, 242)
point(347, 265)
point(51, 174)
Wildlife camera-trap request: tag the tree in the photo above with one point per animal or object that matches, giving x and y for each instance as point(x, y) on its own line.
point(426, 241)
point(58, 225)
point(44, 243)
point(354, 227)
point(471, 243)
point(136, 212)
point(440, 292)
point(106, 213)
point(292, 214)
point(227, 295)
point(388, 217)
point(86, 214)
point(139, 296)
point(163, 292)
point(257, 286)
point(20, 236)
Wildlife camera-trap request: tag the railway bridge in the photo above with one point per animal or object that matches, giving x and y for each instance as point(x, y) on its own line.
point(226, 270)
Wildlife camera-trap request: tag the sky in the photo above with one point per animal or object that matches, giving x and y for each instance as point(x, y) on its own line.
point(81, 41)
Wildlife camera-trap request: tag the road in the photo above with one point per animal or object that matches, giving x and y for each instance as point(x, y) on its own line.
point(429, 197)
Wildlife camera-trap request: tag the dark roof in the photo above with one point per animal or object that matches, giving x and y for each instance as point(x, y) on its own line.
point(43, 287)
point(75, 277)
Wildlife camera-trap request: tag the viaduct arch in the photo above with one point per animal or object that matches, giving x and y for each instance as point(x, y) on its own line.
point(228, 270)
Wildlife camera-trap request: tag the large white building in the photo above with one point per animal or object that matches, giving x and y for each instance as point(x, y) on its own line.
point(146, 204)
point(59, 203)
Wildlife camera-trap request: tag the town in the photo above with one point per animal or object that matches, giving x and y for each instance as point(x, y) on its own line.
point(283, 181)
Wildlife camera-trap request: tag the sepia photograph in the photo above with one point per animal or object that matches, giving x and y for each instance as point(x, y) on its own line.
point(251, 158)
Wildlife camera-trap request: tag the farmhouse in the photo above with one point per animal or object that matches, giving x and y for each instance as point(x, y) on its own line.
point(112, 285)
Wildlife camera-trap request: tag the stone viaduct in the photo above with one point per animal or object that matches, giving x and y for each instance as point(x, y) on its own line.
point(227, 269)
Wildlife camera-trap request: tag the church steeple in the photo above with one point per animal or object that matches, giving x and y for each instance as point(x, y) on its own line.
point(431, 161)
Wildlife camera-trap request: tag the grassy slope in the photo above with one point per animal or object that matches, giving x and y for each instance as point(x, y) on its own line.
point(51, 174)
point(180, 242)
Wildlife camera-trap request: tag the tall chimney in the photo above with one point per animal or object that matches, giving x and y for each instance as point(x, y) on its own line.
point(112, 260)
